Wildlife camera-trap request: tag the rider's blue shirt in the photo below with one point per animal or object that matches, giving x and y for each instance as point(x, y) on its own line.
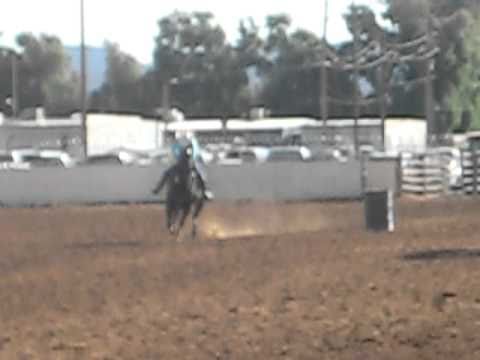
point(177, 149)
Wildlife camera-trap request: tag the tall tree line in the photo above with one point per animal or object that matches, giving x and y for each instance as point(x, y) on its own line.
point(45, 79)
point(196, 69)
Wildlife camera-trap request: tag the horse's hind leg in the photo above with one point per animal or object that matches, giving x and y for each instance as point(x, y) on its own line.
point(185, 212)
point(198, 206)
point(194, 228)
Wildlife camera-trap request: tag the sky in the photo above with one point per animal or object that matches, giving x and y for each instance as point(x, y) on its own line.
point(133, 24)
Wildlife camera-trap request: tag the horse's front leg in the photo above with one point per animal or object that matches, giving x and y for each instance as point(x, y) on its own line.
point(183, 218)
point(197, 207)
point(185, 212)
point(172, 213)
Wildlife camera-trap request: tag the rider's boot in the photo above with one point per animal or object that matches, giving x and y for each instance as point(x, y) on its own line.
point(207, 194)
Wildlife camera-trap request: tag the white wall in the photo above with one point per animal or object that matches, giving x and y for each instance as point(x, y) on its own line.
point(106, 132)
point(287, 181)
point(92, 184)
point(405, 135)
point(105, 184)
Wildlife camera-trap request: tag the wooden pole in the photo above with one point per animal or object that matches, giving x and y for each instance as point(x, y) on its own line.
point(324, 73)
point(356, 94)
point(83, 91)
point(429, 103)
point(382, 96)
point(14, 84)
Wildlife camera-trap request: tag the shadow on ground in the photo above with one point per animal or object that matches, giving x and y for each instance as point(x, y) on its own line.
point(442, 254)
point(105, 244)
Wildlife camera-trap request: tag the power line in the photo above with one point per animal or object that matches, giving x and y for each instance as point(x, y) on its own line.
point(393, 51)
point(360, 102)
point(413, 82)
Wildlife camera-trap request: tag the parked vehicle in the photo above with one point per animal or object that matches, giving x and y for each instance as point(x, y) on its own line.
point(124, 157)
point(242, 155)
point(159, 156)
point(289, 153)
point(7, 162)
point(42, 158)
point(103, 159)
point(329, 154)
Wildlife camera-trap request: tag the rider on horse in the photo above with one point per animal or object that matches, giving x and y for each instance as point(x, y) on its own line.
point(184, 150)
point(184, 191)
point(188, 142)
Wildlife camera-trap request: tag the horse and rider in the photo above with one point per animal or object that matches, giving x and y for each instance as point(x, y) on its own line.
point(186, 184)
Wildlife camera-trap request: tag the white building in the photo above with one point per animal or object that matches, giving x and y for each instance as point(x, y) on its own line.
point(106, 132)
point(405, 135)
point(112, 131)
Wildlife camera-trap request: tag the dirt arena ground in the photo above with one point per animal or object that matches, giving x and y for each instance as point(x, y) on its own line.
point(296, 281)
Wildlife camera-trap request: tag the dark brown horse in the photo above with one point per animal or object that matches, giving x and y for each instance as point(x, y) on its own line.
point(185, 193)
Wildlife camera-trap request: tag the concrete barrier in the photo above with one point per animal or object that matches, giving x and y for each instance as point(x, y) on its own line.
point(287, 181)
point(82, 185)
point(384, 174)
point(131, 184)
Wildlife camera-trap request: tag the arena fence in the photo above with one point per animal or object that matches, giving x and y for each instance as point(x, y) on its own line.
point(289, 181)
point(471, 171)
point(425, 173)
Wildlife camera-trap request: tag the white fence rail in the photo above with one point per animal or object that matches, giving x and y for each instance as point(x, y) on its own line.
point(425, 173)
point(471, 172)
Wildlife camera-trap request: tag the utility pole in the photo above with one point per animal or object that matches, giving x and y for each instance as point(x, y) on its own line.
point(324, 73)
point(83, 91)
point(165, 109)
point(430, 65)
point(356, 94)
point(165, 99)
point(14, 54)
point(382, 90)
point(14, 58)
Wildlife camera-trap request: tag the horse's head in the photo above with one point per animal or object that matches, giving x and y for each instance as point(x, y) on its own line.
point(188, 151)
point(185, 157)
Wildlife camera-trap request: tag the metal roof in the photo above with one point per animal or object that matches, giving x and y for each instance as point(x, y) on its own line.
point(195, 125)
point(43, 123)
point(269, 123)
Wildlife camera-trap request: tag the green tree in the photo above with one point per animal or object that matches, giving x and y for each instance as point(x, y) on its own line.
point(290, 73)
point(250, 50)
point(292, 86)
point(121, 90)
point(465, 95)
point(362, 18)
point(445, 19)
point(46, 77)
point(204, 73)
